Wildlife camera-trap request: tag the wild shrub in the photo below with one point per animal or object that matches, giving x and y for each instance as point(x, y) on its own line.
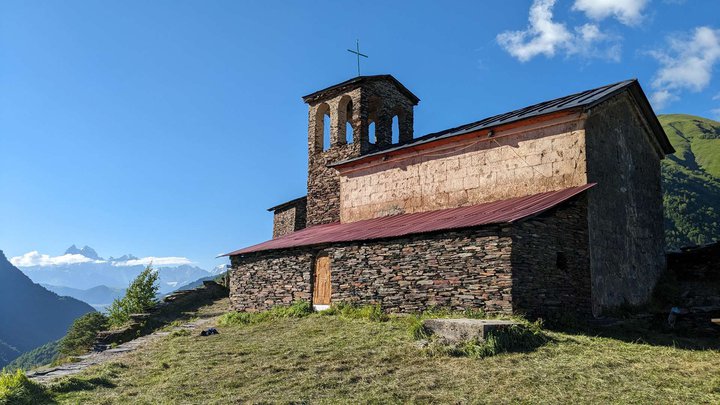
point(16, 388)
point(82, 333)
point(139, 298)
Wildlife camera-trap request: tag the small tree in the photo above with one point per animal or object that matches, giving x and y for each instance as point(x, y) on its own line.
point(82, 333)
point(139, 297)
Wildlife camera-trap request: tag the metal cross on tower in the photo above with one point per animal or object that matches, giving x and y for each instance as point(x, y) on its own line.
point(357, 52)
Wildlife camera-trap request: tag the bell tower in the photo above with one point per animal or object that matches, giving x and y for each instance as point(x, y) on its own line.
point(348, 120)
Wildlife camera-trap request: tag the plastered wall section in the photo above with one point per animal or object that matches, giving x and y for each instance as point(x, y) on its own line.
point(545, 157)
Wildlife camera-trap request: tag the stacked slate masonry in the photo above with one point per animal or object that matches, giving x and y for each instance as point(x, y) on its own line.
point(537, 267)
point(599, 249)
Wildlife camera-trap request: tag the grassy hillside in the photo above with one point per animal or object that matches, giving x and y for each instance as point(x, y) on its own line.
point(339, 359)
point(42, 355)
point(7, 353)
point(691, 180)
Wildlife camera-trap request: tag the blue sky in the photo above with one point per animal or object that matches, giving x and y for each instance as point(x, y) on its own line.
point(166, 128)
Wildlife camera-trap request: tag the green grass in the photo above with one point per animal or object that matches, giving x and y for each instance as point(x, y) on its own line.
point(342, 356)
point(16, 389)
point(296, 310)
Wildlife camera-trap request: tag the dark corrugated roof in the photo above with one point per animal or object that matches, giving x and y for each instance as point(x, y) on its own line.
point(496, 212)
point(356, 81)
point(287, 203)
point(583, 100)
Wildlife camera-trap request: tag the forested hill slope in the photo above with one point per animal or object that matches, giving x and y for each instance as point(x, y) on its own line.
point(691, 180)
point(30, 315)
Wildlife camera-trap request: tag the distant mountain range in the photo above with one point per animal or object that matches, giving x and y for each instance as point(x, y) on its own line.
point(84, 269)
point(100, 297)
point(30, 315)
point(691, 180)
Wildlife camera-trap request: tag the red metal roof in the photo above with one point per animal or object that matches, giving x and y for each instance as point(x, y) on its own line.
point(497, 212)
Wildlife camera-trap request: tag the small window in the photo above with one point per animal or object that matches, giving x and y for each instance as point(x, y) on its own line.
point(349, 132)
point(371, 133)
point(395, 130)
point(348, 125)
point(326, 131)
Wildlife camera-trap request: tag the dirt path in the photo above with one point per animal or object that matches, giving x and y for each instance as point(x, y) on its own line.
point(206, 318)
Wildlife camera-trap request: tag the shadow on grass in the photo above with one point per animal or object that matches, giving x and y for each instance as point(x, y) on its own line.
point(82, 384)
point(651, 331)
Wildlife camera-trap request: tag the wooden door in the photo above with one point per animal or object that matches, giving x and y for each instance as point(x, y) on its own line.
point(321, 293)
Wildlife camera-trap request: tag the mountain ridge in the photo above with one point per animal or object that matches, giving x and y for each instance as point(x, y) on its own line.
point(691, 180)
point(30, 314)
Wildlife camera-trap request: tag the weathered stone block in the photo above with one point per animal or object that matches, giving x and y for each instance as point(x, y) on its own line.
point(459, 330)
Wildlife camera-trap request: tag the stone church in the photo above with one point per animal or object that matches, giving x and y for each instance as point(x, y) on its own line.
point(551, 208)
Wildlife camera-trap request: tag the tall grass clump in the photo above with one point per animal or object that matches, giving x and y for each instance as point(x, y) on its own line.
point(526, 336)
point(514, 339)
point(298, 309)
point(349, 311)
point(16, 388)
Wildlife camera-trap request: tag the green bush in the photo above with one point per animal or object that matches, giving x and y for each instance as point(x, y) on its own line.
point(82, 333)
point(15, 388)
point(139, 298)
point(298, 309)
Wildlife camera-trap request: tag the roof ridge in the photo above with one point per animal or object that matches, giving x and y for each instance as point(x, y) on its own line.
point(580, 100)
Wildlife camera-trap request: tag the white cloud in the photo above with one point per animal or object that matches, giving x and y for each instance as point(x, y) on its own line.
point(716, 97)
point(544, 36)
point(686, 64)
point(156, 261)
point(662, 98)
point(34, 258)
point(716, 113)
point(628, 12)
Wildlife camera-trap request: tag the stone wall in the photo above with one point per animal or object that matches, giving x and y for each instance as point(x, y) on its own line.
point(266, 279)
point(463, 269)
point(539, 158)
point(625, 207)
point(551, 263)
point(474, 268)
point(289, 217)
